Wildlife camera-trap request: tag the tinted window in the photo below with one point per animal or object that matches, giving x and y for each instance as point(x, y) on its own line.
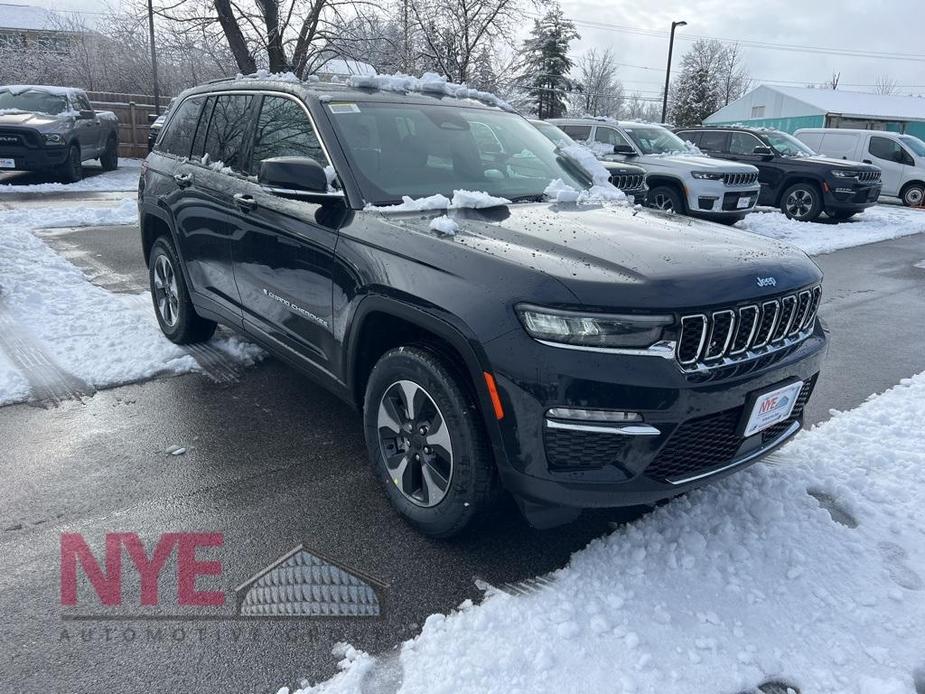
point(83, 103)
point(227, 128)
point(609, 136)
point(577, 132)
point(178, 135)
point(283, 130)
point(199, 141)
point(885, 148)
point(743, 143)
point(711, 141)
point(692, 136)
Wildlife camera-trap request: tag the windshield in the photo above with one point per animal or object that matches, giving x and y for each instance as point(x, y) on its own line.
point(421, 150)
point(554, 134)
point(788, 145)
point(33, 101)
point(654, 139)
point(913, 143)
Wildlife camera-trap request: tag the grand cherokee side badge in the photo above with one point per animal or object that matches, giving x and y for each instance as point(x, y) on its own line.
point(766, 281)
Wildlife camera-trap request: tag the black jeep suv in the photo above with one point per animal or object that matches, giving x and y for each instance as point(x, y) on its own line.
point(792, 176)
point(577, 355)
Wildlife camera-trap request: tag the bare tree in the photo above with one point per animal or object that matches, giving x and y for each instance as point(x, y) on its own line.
point(735, 77)
point(833, 83)
point(637, 107)
point(601, 90)
point(886, 85)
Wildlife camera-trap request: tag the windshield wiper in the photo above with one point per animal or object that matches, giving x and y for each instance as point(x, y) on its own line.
point(531, 197)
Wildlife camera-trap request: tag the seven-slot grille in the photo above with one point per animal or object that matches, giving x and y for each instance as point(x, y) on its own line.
point(708, 337)
point(628, 181)
point(739, 179)
point(868, 176)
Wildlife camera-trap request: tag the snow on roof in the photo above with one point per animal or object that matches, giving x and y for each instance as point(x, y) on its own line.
point(57, 91)
point(26, 17)
point(857, 103)
point(428, 83)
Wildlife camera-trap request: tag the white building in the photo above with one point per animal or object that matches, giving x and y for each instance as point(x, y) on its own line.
point(790, 108)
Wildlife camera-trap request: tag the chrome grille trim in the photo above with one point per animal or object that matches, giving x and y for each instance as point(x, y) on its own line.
point(628, 181)
point(729, 336)
point(740, 179)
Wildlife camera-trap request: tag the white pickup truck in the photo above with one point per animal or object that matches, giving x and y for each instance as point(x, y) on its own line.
point(679, 179)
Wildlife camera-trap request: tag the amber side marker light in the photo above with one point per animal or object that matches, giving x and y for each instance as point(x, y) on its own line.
point(493, 393)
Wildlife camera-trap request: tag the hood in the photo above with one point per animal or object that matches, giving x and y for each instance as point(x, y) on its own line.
point(620, 168)
point(695, 163)
point(817, 159)
point(29, 120)
point(617, 257)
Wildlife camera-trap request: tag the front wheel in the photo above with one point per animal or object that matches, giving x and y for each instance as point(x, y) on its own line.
point(913, 195)
point(666, 199)
point(109, 159)
point(802, 202)
point(73, 167)
point(427, 443)
point(172, 306)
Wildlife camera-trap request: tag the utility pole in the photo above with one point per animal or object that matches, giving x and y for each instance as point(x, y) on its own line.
point(674, 25)
point(157, 95)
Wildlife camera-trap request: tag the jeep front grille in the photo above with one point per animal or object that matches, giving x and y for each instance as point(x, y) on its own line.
point(707, 338)
point(629, 182)
point(740, 179)
point(868, 176)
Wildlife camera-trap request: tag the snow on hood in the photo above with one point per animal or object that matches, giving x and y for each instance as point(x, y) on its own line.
point(461, 198)
point(428, 83)
point(699, 163)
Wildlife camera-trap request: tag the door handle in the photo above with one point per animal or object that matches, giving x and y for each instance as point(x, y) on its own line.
point(244, 202)
point(183, 180)
point(868, 161)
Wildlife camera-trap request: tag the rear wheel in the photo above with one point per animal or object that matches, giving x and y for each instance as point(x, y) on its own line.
point(802, 202)
point(913, 195)
point(73, 168)
point(666, 199)
point(109, 159)
point(426, 442)
point(172, 305)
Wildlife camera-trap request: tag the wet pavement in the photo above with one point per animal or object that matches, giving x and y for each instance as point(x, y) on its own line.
point(271, 461)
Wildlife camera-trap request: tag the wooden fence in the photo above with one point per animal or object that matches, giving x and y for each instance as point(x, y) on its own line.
point(132, 110)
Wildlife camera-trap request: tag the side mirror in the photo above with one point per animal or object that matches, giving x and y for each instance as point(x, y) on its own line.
point(763, 151)
point(85, 114)
point(625, 150)
point(293, 175)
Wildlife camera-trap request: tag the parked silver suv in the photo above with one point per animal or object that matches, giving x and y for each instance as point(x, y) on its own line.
point(679, 178)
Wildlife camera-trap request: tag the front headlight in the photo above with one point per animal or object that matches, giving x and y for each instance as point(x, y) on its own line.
point(707, 175)
point(54, 139)
point(592, 329)
point(841, 173)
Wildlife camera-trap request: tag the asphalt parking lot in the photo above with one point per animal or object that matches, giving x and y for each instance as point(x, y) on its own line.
point(271, 461)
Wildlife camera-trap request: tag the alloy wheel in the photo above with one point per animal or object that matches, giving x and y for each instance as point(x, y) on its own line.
point(165, 290)
point(414, 441)
point(799, 203)
point(663, 202)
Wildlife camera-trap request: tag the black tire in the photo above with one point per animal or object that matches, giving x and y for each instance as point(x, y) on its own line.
point(802, 202)
point(109, 159)
point(913, 195)
point(466, 466)
point(73, 168)
point(179, 322)
point(728, 221)
point(666, 199)
point(841, 215)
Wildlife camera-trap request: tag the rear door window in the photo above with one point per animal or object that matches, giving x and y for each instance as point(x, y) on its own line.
point(712, 141)
point(283, 130)
point(178, 135)
point(226, 136)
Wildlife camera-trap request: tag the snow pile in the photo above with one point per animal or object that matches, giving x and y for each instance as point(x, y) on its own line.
point(588, 163)
point(807, 571)
point(125, 178)
point(560, 191)
point(444, 225)
point(461, 198)
point(100, 337)
point(428, 83)
point(263, 74)
point(878, 223)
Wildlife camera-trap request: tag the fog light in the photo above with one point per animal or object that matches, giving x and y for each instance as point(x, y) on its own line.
point(593, 415)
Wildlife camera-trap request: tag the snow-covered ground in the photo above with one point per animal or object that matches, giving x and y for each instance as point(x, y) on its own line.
point(878, 223)
point(125, 178)
point(96, 336)
point(806, 571)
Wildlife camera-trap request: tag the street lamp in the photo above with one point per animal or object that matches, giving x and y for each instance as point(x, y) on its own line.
point(674, 25)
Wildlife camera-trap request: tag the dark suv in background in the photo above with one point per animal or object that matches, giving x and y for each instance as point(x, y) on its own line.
point(792, 176)
point(578, 355)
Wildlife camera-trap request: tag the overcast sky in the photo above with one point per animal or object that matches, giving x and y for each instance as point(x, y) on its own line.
point(638, 30)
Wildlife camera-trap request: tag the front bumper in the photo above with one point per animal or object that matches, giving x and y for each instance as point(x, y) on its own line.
point(715, 198)
point(848, 196)
point(28, 154)
point(697, 417)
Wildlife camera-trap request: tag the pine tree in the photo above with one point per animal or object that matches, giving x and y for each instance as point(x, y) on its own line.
point(546, 63)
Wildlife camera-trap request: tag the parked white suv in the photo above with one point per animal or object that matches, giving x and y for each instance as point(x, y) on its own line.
point(679, 178)
point(901, 157)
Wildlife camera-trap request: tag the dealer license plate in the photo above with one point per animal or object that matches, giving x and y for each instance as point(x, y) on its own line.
point(7, 163)
point(773, 407)
point(743, 203)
